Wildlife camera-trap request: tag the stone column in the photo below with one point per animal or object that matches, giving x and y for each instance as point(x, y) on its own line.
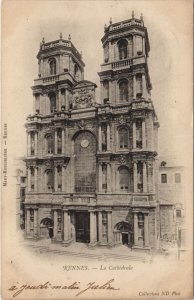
point(134, 87)
point(153, 176)
point(109, 90)
point(101, 92)
point(55, 179)
point(110, 234)
point(66, 100)
point(144, 177)
point(63, 178)
point(59, 100)
point(73, 223)
point(36, 179)
point(151, 132)
point(135, 230)
point(144, 89)
point(134, 45)
point(143, 45)
point(108, 177)
point(36, 143)
point(65, 225)
point(34, 104)
point(100, 177)
point(55, 229)
point(117, 179)
point(113, 179)
point(135, 177)
point(100, 138)
point(27, 222)
point(29, 179)
point(63, 140)
point(93, 236)
point(100, 226)
point(108, 137)
point(69, 225)
point(55, 141)
point(28, 143)
point(143, 134)
point(134, 134)
point(146, 230)
point(36, 222)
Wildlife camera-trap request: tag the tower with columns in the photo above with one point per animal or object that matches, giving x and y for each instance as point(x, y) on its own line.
point(92, 164)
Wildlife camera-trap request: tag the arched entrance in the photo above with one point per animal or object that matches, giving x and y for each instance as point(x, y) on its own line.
point(85, 162)
point(126, 230)
point(46, 227)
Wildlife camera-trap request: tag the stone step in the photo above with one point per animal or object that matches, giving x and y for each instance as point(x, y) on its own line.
point(132, 256)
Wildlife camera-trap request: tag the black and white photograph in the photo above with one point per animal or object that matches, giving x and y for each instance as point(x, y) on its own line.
point(97, 150)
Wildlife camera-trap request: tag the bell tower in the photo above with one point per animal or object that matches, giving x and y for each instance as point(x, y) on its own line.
point(124, 73)
point(60, 67)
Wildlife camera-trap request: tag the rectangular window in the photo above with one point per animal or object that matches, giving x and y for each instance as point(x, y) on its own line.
point(163, 178)
point(178, 213)
point(177, 177)
point(22, 179)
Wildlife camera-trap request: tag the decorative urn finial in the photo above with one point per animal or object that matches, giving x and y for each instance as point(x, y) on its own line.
point(141, 17)
point(69, 37)
point(43, 41)
point(60, 36)
point(133, 14)
point(110, 22)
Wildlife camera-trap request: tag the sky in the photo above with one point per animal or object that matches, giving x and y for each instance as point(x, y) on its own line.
point(170, 34)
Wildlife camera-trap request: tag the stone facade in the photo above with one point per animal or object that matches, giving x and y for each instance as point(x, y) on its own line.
point(171, 200)
point(92, 164)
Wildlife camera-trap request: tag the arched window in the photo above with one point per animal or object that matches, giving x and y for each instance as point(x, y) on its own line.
point(123, 90)
point(52, 98)
point(123, 138)
point(106, 90)
point(124, 179)
point(49, 182)
point(49, 144)
point(122, 46)
point(53, 69)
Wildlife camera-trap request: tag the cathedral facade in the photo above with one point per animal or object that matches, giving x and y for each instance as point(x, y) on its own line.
point(91, 163)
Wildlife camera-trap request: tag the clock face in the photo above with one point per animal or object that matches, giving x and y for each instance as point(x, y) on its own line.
point(84, 143)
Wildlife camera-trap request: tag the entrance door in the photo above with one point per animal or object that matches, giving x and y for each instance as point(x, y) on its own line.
point(82, 227)
point(125, 238)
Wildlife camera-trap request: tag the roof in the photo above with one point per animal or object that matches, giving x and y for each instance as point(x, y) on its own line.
point(84, 83)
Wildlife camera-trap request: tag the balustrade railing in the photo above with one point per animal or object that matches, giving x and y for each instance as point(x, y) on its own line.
point(121, 64)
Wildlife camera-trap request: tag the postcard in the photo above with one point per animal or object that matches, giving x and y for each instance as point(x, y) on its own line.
point(97, 150)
